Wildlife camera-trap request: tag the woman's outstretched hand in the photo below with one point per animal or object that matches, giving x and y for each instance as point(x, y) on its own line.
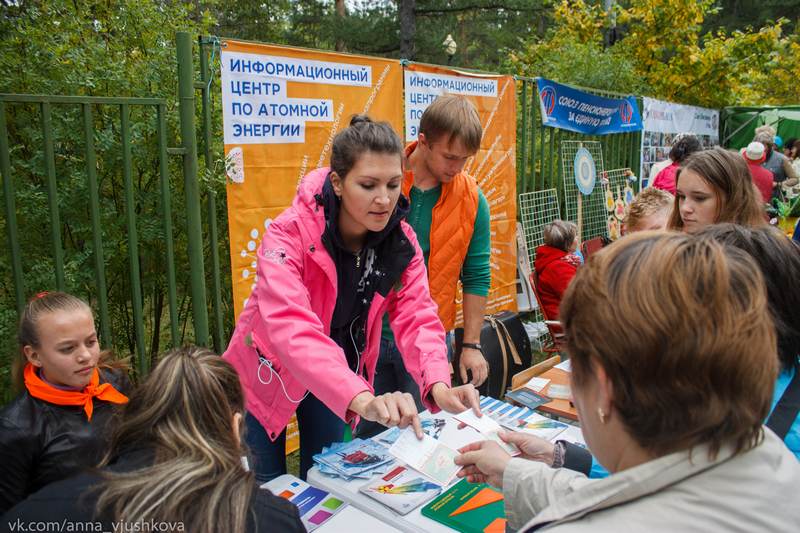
point(390, 409)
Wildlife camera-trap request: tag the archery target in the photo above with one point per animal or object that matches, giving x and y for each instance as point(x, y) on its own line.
point(585, 171)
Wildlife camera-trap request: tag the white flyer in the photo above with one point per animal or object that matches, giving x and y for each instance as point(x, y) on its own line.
point(428, 456)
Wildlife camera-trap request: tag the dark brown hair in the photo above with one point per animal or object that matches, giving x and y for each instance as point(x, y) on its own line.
point(727, 174)
point(363, 135)
point(778, 258)
point(686, 145)
point(691, 352)
point(451, 117)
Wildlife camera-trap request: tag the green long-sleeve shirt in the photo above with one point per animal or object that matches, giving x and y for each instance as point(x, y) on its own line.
point(476, 273)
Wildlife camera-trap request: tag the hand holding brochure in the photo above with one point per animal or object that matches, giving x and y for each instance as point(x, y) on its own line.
point(487, 427)
point(428, 456)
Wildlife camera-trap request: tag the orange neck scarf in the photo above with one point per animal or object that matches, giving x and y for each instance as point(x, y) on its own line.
point(44, 391)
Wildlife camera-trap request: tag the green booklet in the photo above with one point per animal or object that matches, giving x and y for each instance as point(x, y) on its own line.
point(469, 508)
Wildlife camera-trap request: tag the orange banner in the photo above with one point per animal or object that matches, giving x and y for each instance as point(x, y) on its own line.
point(281, 109)
point(494, 166)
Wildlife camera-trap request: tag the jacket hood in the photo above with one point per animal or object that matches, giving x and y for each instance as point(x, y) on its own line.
point(545, 255)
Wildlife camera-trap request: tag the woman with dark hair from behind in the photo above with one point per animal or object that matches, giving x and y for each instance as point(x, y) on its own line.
point(686, 145)
point(175, 458)
point(778, 258)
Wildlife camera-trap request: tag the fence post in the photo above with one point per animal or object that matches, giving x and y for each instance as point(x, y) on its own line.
point(216, 294)
point(11, 212)
point(193, 216)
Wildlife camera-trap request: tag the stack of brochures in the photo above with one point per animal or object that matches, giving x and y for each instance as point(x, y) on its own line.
point(522, 419)
point(357, 459)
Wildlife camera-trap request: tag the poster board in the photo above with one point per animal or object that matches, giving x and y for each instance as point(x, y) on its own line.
point(663, 121)
point(493, 166)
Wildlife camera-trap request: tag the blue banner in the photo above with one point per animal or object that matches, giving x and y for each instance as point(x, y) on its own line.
point(574, 110)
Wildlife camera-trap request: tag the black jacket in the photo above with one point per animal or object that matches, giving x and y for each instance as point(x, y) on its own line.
point(41, 442)
point(71, 501)
point(376, 268)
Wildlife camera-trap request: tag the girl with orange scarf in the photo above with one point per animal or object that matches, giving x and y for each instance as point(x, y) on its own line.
point(59, 424)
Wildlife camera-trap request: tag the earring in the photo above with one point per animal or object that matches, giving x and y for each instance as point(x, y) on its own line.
point(602, 415)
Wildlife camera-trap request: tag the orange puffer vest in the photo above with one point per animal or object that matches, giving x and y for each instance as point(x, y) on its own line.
point(452, 225)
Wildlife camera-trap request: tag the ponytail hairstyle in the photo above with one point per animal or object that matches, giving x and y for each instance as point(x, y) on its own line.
point(363, 135)
point(183, 414)
point(28, 332)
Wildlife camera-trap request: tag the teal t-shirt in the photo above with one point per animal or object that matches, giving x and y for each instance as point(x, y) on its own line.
point(476, 273)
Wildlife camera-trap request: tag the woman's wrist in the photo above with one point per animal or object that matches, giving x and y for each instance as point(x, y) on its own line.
point(360, 401)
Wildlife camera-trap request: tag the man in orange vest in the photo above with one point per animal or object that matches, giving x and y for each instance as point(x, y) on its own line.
point(450, 216)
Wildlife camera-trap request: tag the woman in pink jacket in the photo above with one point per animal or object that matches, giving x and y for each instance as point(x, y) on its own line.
point(329, 267)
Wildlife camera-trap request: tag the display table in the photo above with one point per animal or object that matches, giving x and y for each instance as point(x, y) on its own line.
point(412, 522)
point(348, 520)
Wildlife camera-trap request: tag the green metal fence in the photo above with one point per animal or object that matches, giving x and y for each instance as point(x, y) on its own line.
point(123, 198)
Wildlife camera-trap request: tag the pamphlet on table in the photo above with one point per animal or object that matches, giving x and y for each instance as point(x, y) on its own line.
point(315, 506)
point(469, 508)
point(427, 455)
point(401, 489)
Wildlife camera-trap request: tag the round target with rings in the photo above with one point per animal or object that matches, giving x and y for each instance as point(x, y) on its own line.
point(585, 171)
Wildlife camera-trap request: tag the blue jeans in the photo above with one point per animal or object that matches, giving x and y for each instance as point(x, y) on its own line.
point(318, 427)
point(390, 376)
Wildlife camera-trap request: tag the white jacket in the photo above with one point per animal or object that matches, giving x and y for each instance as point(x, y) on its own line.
point(755, 491)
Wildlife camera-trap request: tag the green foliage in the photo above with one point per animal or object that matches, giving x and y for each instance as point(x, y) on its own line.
point(113, 48)
point(580, 63)
point(665, 52)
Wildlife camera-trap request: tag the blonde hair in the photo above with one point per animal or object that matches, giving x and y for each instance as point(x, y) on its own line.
point(727, 173)
point(183, 414)
point(453, 117)
point(692, 357)
point(559, 234)
point(648, 202)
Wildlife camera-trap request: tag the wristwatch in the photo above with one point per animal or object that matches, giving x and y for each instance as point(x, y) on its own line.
point(473, 345)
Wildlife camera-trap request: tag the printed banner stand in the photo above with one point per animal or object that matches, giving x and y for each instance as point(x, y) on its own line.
point(663, 121)
point(494, 166)
point(281, 109)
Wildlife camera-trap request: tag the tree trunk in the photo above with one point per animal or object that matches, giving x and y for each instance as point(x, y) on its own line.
point(407, 28)
point(340, 13)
